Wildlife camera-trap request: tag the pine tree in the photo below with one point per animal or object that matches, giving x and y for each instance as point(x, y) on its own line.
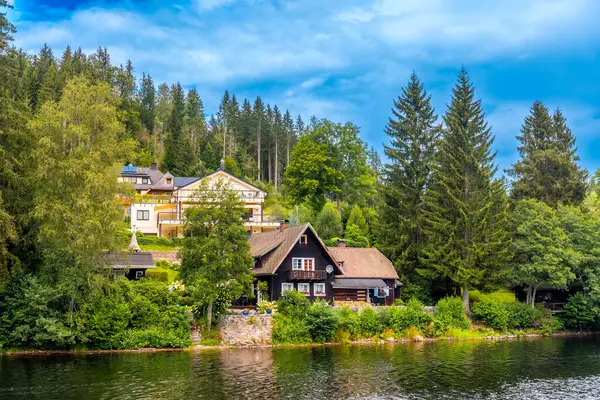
point(147, 103)
point(178, 156)
point(547, 170)
point(129, 108)
point(259, 111)
point(414, 131)
point(466, 208)
point(195, 123)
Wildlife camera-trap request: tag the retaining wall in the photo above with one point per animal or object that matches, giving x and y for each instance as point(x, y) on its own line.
point(246, 329)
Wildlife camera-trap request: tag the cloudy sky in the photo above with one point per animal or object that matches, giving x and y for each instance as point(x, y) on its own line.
point(348, 59)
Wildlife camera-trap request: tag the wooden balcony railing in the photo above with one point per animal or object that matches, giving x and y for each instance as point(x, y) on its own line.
point(307, 275)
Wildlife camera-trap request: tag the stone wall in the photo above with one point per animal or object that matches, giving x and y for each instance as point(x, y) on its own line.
point(246, 329)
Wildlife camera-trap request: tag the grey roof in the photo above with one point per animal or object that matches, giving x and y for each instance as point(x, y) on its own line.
point(140, 259)
point(353, 283)
point(157, 178)
point(184, 180)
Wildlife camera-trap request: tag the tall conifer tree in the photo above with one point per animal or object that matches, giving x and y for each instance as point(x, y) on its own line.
point(466, 207)
point(414, 131)
point(547, 170)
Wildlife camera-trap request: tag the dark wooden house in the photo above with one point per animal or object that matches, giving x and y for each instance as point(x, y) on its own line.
point(295, 258)
point(131, 264)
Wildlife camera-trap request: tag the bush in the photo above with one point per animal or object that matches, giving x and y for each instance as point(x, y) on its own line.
point(545, 322)
point(322, 322)
point(158, 275)
point(411, 315)
point(293, 303)
point(153, 337)
point(385, 313)
point(520, 315)
point(492, 313)
point(370, 325)
point(503, 296)
point(412, 291)
point(581, 313)
point(451, 313)
point(349, 322)
point(289, 330)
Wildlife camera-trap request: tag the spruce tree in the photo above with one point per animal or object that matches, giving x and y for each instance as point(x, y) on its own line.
point(466, 207)
point(178, 158)
point(147, 103)
point(547, 170)
point(414, 131)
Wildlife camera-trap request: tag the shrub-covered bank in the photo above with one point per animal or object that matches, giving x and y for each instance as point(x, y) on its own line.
point(300, 322)
point(122, 315)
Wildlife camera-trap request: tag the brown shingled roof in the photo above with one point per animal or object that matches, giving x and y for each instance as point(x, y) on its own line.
point(364, 263)
point(274, 246)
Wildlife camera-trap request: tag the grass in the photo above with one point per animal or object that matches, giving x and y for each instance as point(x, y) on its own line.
point(503, 295)
point(157, 247)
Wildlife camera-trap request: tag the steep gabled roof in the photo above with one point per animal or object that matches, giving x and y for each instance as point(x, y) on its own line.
point(141, 259)
point(233, 177)
point(274, 246)
point(364, 263)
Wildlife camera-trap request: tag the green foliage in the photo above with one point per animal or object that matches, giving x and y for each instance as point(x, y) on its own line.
point(328, 223)
point(265, 305)
point(414, 131)
point(504, 296)
point(349, 322)
point(520, 315)
point(370, 324)
point(467, 210)
point(412, 291)
point(263, 288)
point(581, 312)
point(322, 322)
point(215, 255)
point(451, 313)
point(293, 304)
point(492, 313)
point(159, 275)
point(288, 329)
point(548, 170)
point(545, 323)
point(410, 315)
point(542, 251)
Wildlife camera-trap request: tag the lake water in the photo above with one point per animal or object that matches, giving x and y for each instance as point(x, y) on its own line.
point(550, 368)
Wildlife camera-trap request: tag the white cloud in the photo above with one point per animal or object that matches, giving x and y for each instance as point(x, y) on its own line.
point(210, 4)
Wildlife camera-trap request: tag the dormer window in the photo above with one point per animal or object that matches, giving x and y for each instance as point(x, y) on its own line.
point(145, 181)
point(169, 181)
point(304, 239)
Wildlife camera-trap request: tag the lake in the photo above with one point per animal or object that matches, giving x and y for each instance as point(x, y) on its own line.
point(545, 368)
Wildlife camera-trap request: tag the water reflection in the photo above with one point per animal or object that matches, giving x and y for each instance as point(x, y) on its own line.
point(532, 369)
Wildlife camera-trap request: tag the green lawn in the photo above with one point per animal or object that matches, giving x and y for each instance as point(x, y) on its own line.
point(157, 247)
point(172, 274)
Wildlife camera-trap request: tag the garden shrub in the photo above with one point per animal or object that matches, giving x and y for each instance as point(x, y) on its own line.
point(370, 325)
point(322, 322)
point(159, 275)
point(349, 322)
point(385, 313)
point(293, 303)
point(492, 313)
point(154, 337)
point(411, 315)
point(108, 322)
point(290, 330)
point(144, 313)
point(451, 313)
point(545, 322)
point(581, 312)
point(520, 315)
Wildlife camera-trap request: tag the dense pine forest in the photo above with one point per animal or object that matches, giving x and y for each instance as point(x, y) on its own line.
point(434, 203)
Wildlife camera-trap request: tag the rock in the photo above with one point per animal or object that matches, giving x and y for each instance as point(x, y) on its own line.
point(244, 330)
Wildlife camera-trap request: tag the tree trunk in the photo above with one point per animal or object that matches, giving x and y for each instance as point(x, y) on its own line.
point(258, 151)
point(276, 161)
point(269, 165)
point(224, 136)
point(528, 300)
point(209, 314)
point(466, 300)
point(533, 296)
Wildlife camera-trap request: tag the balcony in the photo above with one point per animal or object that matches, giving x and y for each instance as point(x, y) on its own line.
point(246, 196)
point(306, 275)
point(262, 220)
point(169, 217)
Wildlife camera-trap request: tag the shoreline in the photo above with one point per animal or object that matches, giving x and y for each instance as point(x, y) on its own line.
point(370, 342)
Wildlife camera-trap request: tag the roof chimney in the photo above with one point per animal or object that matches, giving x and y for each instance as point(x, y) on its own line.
point(284, 225)
point(342, 243)
point(222, 166)
point(153, 166)
point(134, 246)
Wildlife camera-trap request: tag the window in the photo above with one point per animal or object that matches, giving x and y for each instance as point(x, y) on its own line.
point(303, 264)
point(143, 215)
point(145, 181)
point(169, 180)
point(304, 288)
point(304, 239)
point(319, 289)
point(286, 287)
point(119, 272)
point(139, 274)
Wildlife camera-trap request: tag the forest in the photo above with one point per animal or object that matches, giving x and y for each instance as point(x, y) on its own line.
point(434, 203)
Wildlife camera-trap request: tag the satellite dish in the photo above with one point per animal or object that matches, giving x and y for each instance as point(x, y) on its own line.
point(329, 269)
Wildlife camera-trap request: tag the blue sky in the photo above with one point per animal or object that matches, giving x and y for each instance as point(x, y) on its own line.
point(347, 59)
